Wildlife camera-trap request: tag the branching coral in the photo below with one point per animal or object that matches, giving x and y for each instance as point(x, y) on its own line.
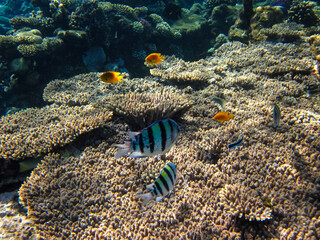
point(180, 71)
point(141, 109)
point(48, 46)
point(302, 12)
point(88, 88)
point(242, 202)
point(286, 33)
point(33, 132)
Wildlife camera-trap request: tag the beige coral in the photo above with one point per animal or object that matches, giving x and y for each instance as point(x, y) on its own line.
point(32, 132)
point(174, 69)
point(88, 88)
point(243, 202)
point(141, 109)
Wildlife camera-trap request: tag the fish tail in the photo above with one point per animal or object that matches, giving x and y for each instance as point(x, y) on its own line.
point(231, 115)
point(146, 198)
point(124, 149)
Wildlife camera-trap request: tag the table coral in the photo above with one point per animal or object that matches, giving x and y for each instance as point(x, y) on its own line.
point(88, 88)
point(183, 71)
point(139, 110)
point(32, 132)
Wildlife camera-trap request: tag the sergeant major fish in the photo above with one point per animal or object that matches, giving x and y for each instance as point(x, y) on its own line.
point(163, 185)
point(156, 139)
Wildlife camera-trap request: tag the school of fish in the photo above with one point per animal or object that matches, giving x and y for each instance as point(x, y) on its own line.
point(159, 137)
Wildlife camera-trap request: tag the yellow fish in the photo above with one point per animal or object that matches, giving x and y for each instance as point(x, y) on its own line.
point(154, 58)
point(223, 116)
point(111, 77)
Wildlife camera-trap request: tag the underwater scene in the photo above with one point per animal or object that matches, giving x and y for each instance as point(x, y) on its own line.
point(159, 119)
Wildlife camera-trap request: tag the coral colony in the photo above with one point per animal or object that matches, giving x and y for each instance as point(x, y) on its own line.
point(159, 119)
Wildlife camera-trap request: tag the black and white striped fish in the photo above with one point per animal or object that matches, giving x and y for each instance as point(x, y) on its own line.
point(276, 115)
point(156, 139)
point(163, 185)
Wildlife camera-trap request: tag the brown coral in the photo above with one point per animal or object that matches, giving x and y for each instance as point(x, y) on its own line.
point(242, 202)
point(32, 132)
point(174, 69)
point(141, 109)
point(48, 46)
point(88, 88)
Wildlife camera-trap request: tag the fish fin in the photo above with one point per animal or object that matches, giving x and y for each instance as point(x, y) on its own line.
point(150, 187)
point(132, 135)
point(158, 199)
point(136, 155)
point(231, 115)
point(146, 198)
point(124, 149)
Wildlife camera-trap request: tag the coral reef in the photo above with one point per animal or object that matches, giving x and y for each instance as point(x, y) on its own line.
point(139, 110)
point(266, 17)
point(302, 12)
point(282, 32)
point(214, 3)
point(241, 202)
point(13, 223)
point(89, 89)
point(265, 189)
point(183, 71)
point(32, 132)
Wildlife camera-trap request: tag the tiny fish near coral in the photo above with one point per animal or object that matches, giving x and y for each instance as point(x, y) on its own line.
point(163, 185)
point(156, 139)
point(154, 58)
point(111, 77)
point(219, 101)
point(237, 143)
point(223, 116)
point(276, 115)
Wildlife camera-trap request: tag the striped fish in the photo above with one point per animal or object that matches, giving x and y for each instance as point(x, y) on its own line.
point(156, 139)
point(276, 115)
point(163, 185)
point(237, 143)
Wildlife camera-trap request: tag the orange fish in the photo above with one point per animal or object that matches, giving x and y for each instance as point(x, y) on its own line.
point(111, 77)
point(154, 58)
point(223, 116)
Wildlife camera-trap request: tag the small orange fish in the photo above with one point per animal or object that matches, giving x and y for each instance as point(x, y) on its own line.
point(154, 58)
point(223, 116)
point(111, 77)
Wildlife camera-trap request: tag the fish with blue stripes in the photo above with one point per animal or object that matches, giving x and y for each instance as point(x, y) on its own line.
point(163, 185)
point(276, 115)
point(237, 143)
point(156, 139)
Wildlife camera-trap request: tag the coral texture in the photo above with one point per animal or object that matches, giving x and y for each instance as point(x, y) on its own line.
point(142, 109)
point(88, 88)
point(32, 132)
point(183, 71)
point(268, 188)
